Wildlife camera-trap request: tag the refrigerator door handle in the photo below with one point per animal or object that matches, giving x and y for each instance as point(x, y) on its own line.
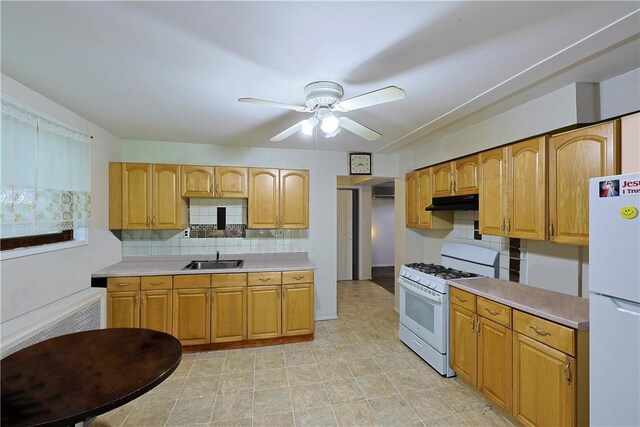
point(624, 310)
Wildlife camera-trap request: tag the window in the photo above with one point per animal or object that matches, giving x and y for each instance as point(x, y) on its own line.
point(45, 181)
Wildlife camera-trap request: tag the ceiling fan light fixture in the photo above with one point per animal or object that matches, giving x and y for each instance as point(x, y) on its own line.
point(332, 134)
point(308, 126)
point(330, 123)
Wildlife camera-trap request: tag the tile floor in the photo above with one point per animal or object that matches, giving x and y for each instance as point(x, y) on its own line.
point(355, 373)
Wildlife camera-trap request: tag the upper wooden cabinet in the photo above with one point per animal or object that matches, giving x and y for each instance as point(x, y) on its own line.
point(574, 158)
point(197, 181)
point(458, 177)
point(418, 196)
point(513, 190)
point(278, 198)
point(231, 182)
point(145, 196)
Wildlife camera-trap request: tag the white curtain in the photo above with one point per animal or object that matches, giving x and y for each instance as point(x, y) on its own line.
point(45, 177)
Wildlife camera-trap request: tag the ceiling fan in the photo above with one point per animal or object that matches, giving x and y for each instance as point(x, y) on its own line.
point(323, 99)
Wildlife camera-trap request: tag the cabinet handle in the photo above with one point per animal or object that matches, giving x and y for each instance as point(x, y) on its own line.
point(155, 283)
point(461, 299)
point(122, 285)
point(567, 372)
point(206, 297)
point(141, 301)
point(148, 220)
point(211, 190)
point(135, 301)
point(509, 225)
point(540, 331)
point(473, 324)
point(493, 313)
point(551, 230)
point(478, 326)
point(298, 277)
point(217, 190)
point(153, 221)
point(502, 225)
point(264, 279)
point(454, 185)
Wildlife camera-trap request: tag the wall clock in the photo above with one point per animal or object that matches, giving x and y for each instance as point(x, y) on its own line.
point(359, 163)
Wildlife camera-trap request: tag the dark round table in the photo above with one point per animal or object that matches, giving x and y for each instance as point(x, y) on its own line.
point(71, 378)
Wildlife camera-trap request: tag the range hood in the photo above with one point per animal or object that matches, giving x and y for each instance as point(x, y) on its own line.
point(467, 202)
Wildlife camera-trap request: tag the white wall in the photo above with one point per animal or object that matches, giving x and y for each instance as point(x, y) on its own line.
point(33, 281)
point(323, 166)
point(620, 95)
point(382, 232)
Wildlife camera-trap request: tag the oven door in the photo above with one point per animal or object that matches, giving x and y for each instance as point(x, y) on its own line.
point(424, 316)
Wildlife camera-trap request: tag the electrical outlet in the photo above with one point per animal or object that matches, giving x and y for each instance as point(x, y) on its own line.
point(185, 233)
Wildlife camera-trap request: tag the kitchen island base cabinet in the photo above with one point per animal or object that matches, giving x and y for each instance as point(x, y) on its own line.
point(191, 313)
point(264, 312)
point(297, 309)
point(543, 388)
point(228, 314)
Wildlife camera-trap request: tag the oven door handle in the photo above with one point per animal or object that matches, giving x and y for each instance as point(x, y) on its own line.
point(419, 295)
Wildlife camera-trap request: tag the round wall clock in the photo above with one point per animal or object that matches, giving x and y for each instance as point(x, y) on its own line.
point(359, 163)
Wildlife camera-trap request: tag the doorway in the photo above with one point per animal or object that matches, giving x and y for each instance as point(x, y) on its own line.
point(347, 229)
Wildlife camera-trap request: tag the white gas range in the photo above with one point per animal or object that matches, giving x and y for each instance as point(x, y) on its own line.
point(424, 299)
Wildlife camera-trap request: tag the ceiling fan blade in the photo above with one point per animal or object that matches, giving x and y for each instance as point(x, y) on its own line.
point(257, 101)
point(288, 132)
point(360, 130)
point(380, 96)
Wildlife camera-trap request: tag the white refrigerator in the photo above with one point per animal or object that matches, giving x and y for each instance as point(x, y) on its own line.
point(614, 307)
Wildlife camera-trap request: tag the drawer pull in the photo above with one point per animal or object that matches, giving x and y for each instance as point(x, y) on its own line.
point(122, 285)
point(156, 283)
point(461, 299)
point(540, 331)
point(264, 279)
point(491, 312)
point(298, 277)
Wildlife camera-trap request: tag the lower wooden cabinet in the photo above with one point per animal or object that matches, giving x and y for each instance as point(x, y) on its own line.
point(544, 391)
point(191, 315)
point(463, 343)
point(264, 312)
point(123, 309)
point(228, 314)
point(494, 361)
point(155, 310)
point(297, 309)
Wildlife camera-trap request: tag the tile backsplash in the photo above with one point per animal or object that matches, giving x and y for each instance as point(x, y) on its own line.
point(513, 252)
point(203, 237)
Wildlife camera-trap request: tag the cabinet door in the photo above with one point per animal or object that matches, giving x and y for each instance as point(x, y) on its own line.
point(167, 204)
point(136, 196)
point(197, 181)
point(526, 216)
point(465, 178)
point(123, 310)
point(264, 197)
point(155, 310)
point(411, 190)
point(442, 181)
point(297, 309)
point(294, 199)
point(543, 384)
point(493, 192)
point(191, 316)
point(494, 362)
point(264, 312)
point(229, 314)
point(231, 182)
point(462, 343)
point(574, 158)
point(424, 198)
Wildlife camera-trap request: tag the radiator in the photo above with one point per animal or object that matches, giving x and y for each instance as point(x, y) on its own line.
point(81, 311)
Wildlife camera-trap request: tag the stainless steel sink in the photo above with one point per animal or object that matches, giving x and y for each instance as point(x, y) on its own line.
point(214, 264)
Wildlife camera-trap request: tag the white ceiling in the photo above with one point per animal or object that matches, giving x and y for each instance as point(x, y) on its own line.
point(173, 71)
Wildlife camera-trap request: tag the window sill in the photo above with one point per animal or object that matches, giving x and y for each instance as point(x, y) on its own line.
point(35, 250)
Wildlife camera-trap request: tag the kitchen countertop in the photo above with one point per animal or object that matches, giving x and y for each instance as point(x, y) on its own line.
point(173, 265)
point(561, 308)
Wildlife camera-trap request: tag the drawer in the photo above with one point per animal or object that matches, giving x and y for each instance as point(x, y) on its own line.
point(494, 311)
point(123, 283)
point(156, 282)
point(554, 335)
point(290, 277)
point(192, 281)
point(231, 279)
point(463, 298)
point(262, 279)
